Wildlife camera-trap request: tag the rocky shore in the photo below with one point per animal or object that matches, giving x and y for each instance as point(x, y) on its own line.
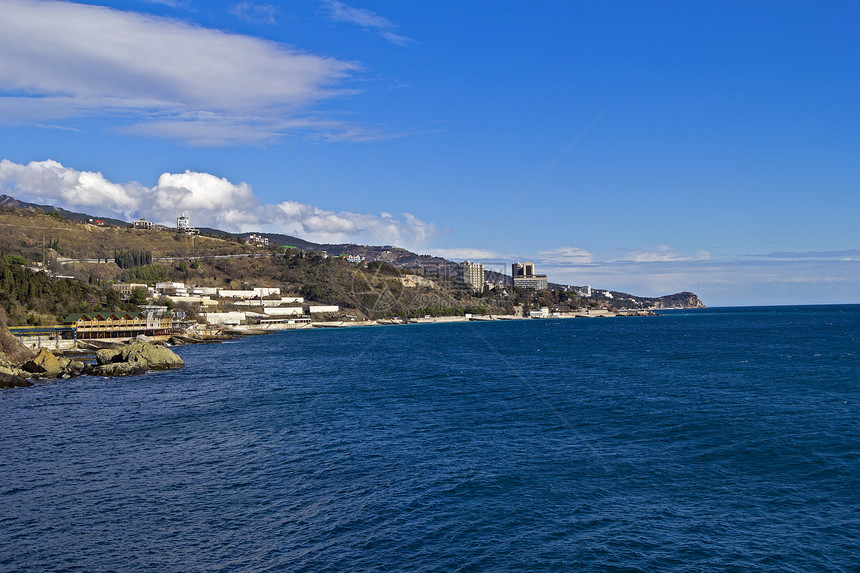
point(137, 357)
point(141, 355)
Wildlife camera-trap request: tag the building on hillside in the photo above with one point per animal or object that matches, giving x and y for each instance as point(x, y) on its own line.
point(224, 318)
point(526, 269)
point(171, 289)
point(258, 292)
point(473, 275)
point(142, 224)
point(126, 288)
point(257, 240)
point(200, 302)
point(523, 276)
point(353, 258)
point(284, 311)
point(183, 225)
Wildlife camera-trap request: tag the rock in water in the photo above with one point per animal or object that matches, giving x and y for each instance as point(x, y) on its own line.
point(44, 363)
point(106, 355)
point(12, 381)
point(119, 369)
point(135, 358)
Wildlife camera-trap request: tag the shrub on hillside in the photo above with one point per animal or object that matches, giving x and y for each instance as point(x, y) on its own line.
point(16, 352)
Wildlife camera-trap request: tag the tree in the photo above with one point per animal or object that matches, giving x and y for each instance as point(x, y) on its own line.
point(16, 260)
point(139, 296)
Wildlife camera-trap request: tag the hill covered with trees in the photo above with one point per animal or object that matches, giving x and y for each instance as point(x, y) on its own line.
point(85, 259)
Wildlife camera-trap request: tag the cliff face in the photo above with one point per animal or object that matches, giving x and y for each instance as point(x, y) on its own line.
point(679, 300)
point(621, 300)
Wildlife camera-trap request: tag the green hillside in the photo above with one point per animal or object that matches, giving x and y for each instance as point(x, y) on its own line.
point(95, 256)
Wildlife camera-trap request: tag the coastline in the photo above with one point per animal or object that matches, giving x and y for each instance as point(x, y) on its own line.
point(83, 352)
point(211, 334)
point(256, 329)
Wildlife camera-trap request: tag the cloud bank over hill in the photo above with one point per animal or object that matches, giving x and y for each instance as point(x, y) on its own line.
point(209, 201)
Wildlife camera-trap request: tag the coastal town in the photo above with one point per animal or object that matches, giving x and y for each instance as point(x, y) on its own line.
point(69, 294)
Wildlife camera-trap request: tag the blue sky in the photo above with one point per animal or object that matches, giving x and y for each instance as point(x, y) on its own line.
point(643, 147)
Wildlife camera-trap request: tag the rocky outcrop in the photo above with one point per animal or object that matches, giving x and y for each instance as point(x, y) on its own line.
point(46, 365)
point(620, 300)
point(43, 364)
point(71, 367)
point(118, 369)
point(9, 380)
point(679, 300)
point(134, 358)
point(7, 367)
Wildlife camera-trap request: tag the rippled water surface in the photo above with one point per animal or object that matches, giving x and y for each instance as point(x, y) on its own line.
point(710, 440)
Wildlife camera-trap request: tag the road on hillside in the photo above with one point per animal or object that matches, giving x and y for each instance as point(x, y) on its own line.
point(241, 256)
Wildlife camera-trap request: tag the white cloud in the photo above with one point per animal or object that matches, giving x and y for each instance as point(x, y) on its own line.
point(190, 192)
point(169, 3)
point(341, 12)
point(464, 254)
point(255, 13)
point(209, 201)
point(662, 253)
point(51, 181)
point(724, 282)
point(60, 60)
point(566, 255)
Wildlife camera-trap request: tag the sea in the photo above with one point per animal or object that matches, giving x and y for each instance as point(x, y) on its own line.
point(722, 439)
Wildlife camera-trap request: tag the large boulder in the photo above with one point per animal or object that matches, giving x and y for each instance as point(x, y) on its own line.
point(107, 355)
point(8, 380)
point(6, 367)
point(140, 357)
point(118, 369)
point(44, 364)
point(71, 367)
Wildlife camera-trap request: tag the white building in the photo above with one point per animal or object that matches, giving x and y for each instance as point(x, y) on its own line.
point(126, 288)
point(318, 309)
point(284, 311)
point(230, 318)
point(543, 312)
point(258, 292)
point(473, 275)
point(257, 240)
point(174, 289)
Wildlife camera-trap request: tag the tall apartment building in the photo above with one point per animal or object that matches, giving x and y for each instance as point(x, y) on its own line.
point(523, 276)
point(473, 275)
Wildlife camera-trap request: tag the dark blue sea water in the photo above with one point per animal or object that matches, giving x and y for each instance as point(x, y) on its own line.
point(715, 440)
